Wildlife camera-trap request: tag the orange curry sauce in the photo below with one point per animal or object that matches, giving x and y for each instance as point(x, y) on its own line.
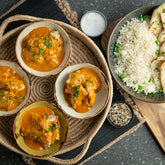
point(43, 50)
point(12, 89)
point(81, 88)
point(39, 127)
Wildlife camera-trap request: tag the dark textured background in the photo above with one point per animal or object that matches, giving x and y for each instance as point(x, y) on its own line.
point(137, 148)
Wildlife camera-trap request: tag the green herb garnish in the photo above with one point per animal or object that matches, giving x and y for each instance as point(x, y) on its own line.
point(52, 127)
point(30, 48)
point(161, 90)
point(21, 97)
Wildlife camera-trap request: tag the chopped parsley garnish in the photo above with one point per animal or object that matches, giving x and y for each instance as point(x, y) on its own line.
point(21, 97)
point(7, 100)
point(15, 97)
point(4, 108)
point(38, 139)
point(163, 11)
point(75, 95)
point(52, 127)
point(74, 76)
point(10, 83)
point(33, 54)
point(40, 50)
point(34, 132)
point(91, 82)
point(18, 103)
point(153, 92)
point(5, 86)
point(46, 131)
point(86, 86)
point(47, 43)
point(87, 80)
point(38, 57)
point(2, 94)
point(30, 48)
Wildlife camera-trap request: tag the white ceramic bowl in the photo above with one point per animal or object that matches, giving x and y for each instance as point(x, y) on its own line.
point(53, 27)
point(24, 76)
point(102, 96)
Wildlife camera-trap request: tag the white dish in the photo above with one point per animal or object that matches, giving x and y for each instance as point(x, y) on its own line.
point(53, 27)
point(24, 76)
point(102, 96)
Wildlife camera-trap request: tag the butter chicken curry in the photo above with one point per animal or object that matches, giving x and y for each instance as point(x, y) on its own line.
point(12, 89)
point(40, 128)
point(81, 88)
point(43, 50)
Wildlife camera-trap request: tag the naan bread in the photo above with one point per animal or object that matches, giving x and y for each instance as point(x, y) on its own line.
point(162, 76)
point(156, 22)
point(162, 49)
point(155, 70)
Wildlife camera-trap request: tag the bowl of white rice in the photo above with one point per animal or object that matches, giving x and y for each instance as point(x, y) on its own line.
point(131, 49)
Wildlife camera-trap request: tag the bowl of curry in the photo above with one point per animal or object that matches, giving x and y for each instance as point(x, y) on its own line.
point(14, 88)
point(81, 91)
point(40, 129)
point(43, 49)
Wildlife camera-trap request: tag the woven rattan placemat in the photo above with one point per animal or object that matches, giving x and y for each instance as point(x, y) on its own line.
point(68, 16)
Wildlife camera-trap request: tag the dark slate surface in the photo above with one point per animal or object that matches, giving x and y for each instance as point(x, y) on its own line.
point(138, 148)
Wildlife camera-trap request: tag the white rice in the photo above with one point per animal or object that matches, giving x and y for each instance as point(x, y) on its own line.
point(134, 58)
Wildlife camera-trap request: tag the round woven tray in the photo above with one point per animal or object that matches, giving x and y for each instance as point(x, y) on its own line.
point(84, 50)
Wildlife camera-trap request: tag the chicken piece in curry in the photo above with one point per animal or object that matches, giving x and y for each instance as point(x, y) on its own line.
point(43, 50)
point(12, 89)
point(81, 89)
point(40, 128)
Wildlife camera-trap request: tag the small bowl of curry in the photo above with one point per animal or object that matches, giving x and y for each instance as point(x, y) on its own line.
point(81, 91)
point(43, 49)
point(40, 129)
point(14, 88)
